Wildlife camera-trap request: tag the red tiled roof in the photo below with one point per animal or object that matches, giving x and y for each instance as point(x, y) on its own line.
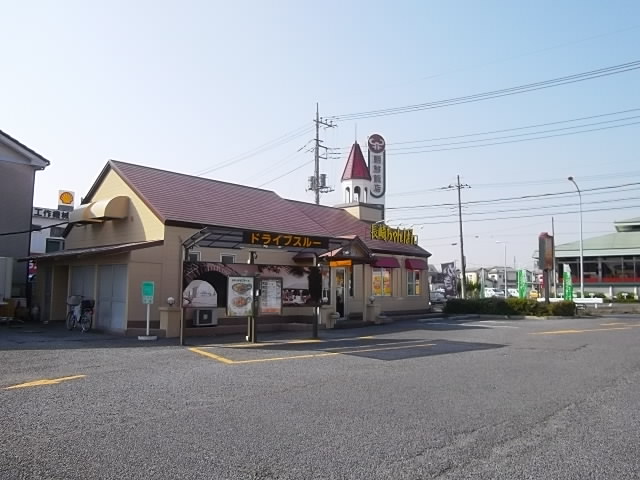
point(341, 223)
point(356, 167)
point(183, 198)
point(186, 199)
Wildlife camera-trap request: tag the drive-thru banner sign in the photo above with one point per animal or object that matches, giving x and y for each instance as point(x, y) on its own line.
point(567, 283)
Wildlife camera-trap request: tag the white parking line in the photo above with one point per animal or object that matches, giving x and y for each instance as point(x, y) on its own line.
point(462, 325)
point(490, 326)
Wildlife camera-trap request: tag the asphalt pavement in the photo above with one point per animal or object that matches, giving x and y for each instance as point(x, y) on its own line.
point(443, 398)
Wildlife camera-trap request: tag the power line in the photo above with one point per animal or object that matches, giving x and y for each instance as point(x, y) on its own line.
point(491, 132)
point(580, 77)
point(283, 161)
point(277, 142)
point(444, 206)
point(532, 215)
point(521, 197)
point(599, 202)
point(534, 52)
point(285, 174)
point(549, 181)
point(43, 227)
point(402, 149)
point(516, 141)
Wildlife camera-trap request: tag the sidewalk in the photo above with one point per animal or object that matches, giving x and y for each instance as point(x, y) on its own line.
point(54, 335)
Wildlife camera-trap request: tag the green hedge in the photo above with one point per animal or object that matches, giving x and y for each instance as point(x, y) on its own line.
point(627, 297)
point(510, 306)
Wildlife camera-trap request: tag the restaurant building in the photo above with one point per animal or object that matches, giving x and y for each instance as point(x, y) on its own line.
point(198, 240)
point(611, 262)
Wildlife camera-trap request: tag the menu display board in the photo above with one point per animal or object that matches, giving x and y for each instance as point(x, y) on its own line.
point(240, 297)
point(270, 302)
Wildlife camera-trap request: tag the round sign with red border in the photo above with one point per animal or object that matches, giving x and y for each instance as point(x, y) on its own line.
point(376, 143)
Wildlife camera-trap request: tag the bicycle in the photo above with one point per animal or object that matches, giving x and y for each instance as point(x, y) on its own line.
point(80, 313)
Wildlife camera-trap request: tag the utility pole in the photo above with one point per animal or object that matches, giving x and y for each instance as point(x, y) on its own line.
point(318, 183)
point(463, 262)
point(553, 270)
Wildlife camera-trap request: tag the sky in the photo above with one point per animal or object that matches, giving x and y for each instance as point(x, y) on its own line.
point(228, 90)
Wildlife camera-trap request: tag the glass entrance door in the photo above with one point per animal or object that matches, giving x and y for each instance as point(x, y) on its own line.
point(341, 303)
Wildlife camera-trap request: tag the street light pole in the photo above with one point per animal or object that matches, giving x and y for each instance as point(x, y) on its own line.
point(572, 180)
point(505, 267)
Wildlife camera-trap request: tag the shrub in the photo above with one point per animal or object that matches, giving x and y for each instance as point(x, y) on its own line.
point(596, 295)
point(562, 309)
point(625, 297)
point(510, 306)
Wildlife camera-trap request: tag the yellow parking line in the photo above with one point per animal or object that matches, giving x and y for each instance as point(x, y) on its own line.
point(587, 330)
point(329, 354)
point(44, 381)
point(298, 357)
point(270, 344)
point(210, 355)
point(403, 342)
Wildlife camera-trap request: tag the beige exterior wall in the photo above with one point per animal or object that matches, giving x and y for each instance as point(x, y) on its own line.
point(163, 265)
point(141, 224)
point(365, 213)
point(144, 272)
point(398, 301)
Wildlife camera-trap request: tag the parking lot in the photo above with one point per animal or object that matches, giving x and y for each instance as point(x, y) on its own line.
point(443, 398)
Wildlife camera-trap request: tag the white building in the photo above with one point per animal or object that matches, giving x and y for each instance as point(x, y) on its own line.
point(47, 234)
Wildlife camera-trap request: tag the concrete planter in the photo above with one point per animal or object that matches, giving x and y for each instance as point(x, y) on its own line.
point(332, 319)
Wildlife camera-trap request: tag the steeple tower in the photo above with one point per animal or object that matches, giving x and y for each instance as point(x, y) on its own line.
point(358, 186)
point(356, 179)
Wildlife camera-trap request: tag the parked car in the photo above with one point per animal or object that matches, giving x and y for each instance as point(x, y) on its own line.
point(489, 292)
point(513, 292)
point(437, 297)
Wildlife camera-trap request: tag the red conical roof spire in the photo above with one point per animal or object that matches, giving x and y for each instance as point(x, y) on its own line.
point(356, 168)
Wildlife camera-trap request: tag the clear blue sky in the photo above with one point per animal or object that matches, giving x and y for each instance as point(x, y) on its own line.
point(189, 85)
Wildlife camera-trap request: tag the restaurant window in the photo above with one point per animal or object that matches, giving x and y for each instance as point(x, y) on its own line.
point(628, 268)
point(591, 273)
point(611, 269)
point(227, 258)
point(194, 257)
point(413, 282)
point(54, 245)
point(381, 282)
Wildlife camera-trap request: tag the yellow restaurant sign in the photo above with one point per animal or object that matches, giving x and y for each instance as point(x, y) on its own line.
point(380, 231)
point(340, 263)
point(284, 240)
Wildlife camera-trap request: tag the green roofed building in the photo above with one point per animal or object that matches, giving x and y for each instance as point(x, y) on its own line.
point(611, 262)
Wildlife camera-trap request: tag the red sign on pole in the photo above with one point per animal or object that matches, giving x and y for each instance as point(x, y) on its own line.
point(545, 251)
